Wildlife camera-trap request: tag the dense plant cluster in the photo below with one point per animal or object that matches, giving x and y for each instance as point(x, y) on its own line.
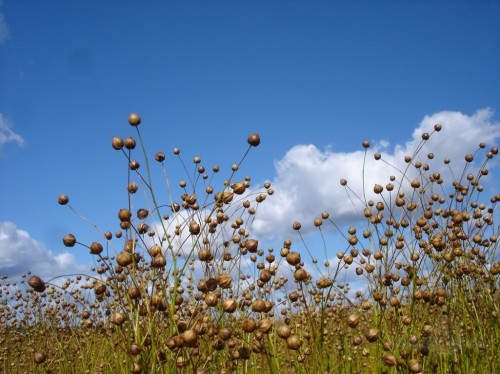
point(183, 286)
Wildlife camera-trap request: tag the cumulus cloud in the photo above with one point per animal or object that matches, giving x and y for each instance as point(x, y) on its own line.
point(8, 135)
point(20, 253)
point(308, 179)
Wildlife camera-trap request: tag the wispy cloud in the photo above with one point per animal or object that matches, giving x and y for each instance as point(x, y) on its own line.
point(8, 135)
point(20, 253)
point(307, 178)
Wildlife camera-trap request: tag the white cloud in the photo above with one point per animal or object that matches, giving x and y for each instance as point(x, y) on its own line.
point(20, 253)
point(7, 134)
point(307, 179)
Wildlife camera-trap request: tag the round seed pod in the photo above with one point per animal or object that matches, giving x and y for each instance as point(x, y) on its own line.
point(254, 139)
point(293, 258)
point(124, 215)
point(224, 280)
point(135, 349)
point(353, 320)
point(293, 342)
point(300, 275)
point(158, 261)
point(69, 240)
point(39, 357)
point(117, 143)
point(124, 259)
point(283, 331)
point(229, 305)
point(248, 325)
point(118, 319)
point(190, 337)
point(134, 119)
point(264, 325)
point(37, 283)
point(372, 335)
point(96, 248)
point(63, 199)
point(389, 359)
point(258, 305)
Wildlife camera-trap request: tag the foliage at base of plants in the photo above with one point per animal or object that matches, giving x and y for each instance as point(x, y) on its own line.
point(182, 286)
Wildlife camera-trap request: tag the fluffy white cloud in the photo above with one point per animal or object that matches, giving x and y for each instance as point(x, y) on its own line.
point(6, 133)
point(20, 253)
point(308, 179)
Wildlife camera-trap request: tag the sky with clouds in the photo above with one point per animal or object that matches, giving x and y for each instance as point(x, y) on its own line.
point(313, 78)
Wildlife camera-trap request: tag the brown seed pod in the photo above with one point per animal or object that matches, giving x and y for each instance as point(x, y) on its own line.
point(224, 280)
point(414, 366)
point(372, 335)
point(283, 331)
point(239, 187)
point(296, 225)
point(118, 319)
point(63, 199)
point(293, 258)
point(194, 228)
point(158, 261)
point(117, 143)
point(135, 349)
point(251, 245)
point(264, 325)
point(248, 325)
point(124, 259)
point(124, 215)
point(353, 320)
point(324, 283)
point(134, 119)
point(160, 156)
point(258, 305)
point(293, 342)
point(130, 143)
point(69, 240)
point(39, 357)
point(190, 337)
point(96, 248)
point(300, 275)
point(37, 283)
point(229, 305)
point(254, 139)
point(389, 359)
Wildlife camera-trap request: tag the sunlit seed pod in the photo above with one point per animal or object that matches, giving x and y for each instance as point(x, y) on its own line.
point(353, 320)
point(211, 299)
point(36, 283)
point(293, 258)
point(96, 248)
point(158, 261)
point(190, 337)
point(389, 359)
point(293, 342)
point(300, 275)
point(117, 143)
point(69, 240)
point(134, 165)
point(124, 259)
point(317, 222)
point(124, 215)
point(324, 283)
point(63, 199)
point(129, 143)
point(365, 144)
point(265, 275)
point(205, 254)
point(118, 319)
point(239, 187)
point(296, 225)
point(469, 157)
point(132, 187)
point(194, 228)
point(248, 325)
point(224, 280)
point(229, 305)
point(283, 331)
point(264, 325)
point(372, 335)
point(378, 189)
point(134, 292)
point(142, 213)
point(134, 119)
point(357, 340)
point(251, 245)
point(437, 127)
point(135, 349)
point(258, 305)
point(377, 156)
point(254, 139)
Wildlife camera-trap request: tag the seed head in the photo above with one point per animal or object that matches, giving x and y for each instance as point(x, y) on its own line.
point(254, 139)
point(134, 119)
point(63, 199)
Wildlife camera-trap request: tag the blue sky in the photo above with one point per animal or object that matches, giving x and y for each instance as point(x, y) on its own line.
point(314, 78)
